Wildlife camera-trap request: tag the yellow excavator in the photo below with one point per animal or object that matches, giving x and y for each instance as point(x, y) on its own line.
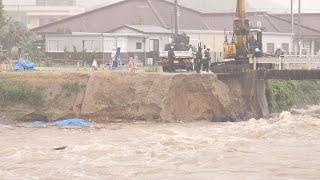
point(246, 41)
point(246, 44)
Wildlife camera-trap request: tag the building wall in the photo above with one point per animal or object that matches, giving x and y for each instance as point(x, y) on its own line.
point(55, 2)
point(308, 46)
point(215, 39)
point(163, 39)
point(35, 16)
point(278, 39)
point(93, 42)
point(69, 41)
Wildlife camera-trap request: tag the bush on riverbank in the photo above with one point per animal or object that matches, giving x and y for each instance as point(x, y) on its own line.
point(283, 95)
point(20, 93)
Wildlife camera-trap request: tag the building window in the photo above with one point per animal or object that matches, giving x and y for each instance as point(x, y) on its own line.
point(154, 45)
point(56, 46)
point(138, 45)
point(108, 45)
point(285, 46)
point(259, 24)
point(90, 45)
point(270, 48)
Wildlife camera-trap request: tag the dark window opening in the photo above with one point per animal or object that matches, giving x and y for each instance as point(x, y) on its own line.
point(138, 45)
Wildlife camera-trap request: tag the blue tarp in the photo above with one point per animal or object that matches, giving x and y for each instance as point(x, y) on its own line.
point(64, 122)
point(24, 65)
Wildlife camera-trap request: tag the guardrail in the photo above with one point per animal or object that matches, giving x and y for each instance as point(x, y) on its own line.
point(312, 62)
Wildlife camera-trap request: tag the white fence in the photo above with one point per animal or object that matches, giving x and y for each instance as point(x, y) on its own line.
point(284, 62)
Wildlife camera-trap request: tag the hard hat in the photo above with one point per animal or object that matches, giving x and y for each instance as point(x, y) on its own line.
point(114, 48)
point(278, 47)
point(257, 50)
point(172, 47)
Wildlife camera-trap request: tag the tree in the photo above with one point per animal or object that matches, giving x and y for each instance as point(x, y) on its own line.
point(3, 21)
point(19, 36)
point(3, 17)
point(15, 34)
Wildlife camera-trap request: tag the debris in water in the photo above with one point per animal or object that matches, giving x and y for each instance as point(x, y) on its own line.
point(60, 148)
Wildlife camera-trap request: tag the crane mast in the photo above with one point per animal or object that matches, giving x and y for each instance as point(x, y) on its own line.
point(241, 30)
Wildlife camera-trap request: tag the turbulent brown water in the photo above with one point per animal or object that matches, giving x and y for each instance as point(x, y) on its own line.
point(284, 147)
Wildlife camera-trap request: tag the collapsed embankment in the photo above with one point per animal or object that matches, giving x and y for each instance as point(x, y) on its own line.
point(122, 97)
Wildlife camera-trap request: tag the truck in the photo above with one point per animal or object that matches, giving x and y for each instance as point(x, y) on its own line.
point(184, 53)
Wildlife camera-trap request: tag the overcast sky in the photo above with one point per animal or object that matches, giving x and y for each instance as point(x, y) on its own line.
point(263, 5)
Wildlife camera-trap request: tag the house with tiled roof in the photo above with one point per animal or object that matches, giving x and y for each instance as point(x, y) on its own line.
point(205, 27)
point(310, 30)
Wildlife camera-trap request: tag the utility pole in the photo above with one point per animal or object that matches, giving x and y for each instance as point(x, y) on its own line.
point(292, 18)
point(299, 29)
point(176, 18)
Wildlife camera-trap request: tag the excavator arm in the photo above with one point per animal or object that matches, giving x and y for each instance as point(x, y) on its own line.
point(241, 30)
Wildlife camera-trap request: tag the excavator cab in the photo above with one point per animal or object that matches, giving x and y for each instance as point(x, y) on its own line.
point(255, 42)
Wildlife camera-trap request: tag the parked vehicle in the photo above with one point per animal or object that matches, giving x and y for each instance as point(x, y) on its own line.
point(184, 54)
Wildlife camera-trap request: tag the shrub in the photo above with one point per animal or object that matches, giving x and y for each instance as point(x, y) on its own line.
point(152, 69)
point(20, 93)
point(72, 87)
point(283, 95)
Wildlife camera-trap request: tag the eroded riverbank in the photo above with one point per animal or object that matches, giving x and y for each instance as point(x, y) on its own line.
point(121, 97)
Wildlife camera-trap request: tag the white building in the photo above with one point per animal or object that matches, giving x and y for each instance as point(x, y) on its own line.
point(141, 42)
point(34, 16)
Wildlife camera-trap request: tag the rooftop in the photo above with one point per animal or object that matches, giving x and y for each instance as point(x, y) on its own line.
point(145, 29)
point(159, 13)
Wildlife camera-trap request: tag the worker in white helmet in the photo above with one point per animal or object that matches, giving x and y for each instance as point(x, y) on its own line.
point(206, 60)
point(279, 51)
point(171, 57)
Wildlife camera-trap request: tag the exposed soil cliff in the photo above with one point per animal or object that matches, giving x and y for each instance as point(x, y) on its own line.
point(114, 97)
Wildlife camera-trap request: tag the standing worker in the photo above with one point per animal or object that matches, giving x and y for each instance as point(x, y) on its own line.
point(207, 60)
point(198, 59)
point(171, 57)
point(95, 65)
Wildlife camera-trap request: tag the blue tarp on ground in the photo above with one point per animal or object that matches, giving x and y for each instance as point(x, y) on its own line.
point(24, 65)
point(64, 122)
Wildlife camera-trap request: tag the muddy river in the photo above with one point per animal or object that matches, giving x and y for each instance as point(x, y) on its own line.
point(284, 147)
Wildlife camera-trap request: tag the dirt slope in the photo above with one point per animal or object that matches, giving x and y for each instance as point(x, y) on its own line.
point(114, 97)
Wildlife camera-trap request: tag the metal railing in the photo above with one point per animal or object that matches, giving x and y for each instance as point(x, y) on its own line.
point(285, 61)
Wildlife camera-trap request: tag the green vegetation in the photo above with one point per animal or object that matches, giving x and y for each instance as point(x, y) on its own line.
point(48, 62)
point(73, 87)
point(20, 93)
point(283, 95)
point(152, 69)
point(3, 16)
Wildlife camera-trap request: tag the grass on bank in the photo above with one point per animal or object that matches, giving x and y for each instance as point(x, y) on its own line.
point(152, 69)
point(71, 88)
point(283, 95)
point(20, 93)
